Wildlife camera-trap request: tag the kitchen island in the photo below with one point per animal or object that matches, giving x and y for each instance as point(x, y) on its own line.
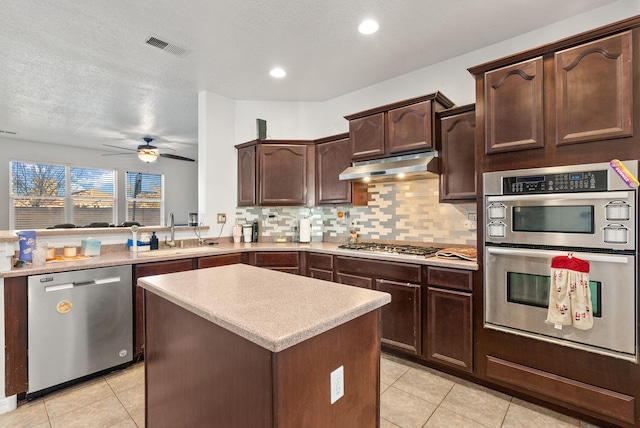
point(238, 346)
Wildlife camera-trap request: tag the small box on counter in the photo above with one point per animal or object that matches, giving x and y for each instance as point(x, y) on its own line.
point(90, 247)
point(140, 245)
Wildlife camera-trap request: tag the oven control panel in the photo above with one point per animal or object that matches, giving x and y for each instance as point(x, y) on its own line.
point(568, 182)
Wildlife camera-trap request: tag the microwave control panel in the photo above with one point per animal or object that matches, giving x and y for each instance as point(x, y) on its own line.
point(568, 182)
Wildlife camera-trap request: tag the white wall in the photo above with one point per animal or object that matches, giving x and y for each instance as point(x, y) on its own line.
point(181, 180)
point(299, 120)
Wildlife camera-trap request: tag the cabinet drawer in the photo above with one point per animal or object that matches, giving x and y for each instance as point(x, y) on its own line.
point(356, 281)
point(326, 275)
point(222, 260)
point(160, 268)
point(320, 261)
point(276, 259)
point(378, 269)
point(450, 278)
point(292, 270)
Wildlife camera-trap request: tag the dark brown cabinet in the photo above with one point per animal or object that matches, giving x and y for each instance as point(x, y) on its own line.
point(333, 155)
point(449, 319)
point(147, 269)
point(283, 261)
point(247, 176)
point(401, 319)
point(514, 111)
point(457, 154)
point(281, 173)
point(221, 260)
point(593, 88)
point(320, 266)
point(404, 127)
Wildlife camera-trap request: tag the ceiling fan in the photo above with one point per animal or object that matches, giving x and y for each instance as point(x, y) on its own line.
point(149, 153)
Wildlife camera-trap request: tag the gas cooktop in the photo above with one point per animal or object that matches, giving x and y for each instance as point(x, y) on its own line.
point(408, 250)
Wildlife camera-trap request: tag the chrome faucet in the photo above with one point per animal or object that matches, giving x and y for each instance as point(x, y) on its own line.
point(172, 242)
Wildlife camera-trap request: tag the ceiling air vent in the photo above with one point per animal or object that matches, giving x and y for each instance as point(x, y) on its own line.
point(165, 46)
point(2, 131)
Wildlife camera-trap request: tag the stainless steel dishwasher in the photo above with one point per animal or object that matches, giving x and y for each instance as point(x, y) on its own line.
point(80, 323)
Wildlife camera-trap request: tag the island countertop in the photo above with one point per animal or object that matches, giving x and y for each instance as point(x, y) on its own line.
point(272, 309)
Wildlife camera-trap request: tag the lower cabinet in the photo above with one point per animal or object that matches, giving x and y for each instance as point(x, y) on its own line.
point(320, 266)
point(283, 261)
point(401, 319)
point(449, 318)
point(147, 269)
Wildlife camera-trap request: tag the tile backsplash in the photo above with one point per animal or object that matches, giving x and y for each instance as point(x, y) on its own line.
point(397, 211)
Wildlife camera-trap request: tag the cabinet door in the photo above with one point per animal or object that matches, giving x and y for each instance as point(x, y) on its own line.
point(514, 117)
point(147, 269)
point(401, 318)
point(366, 135)
point(410, 128)
point(332, 158)
point(247, 176)
point(354, 280)
point(221, 260)
point(450, 328)
point(457, 157)
point(283, 174)
point(594, 91)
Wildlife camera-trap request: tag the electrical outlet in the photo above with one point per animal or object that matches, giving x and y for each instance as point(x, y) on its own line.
point(337, 384)
point(222, 218)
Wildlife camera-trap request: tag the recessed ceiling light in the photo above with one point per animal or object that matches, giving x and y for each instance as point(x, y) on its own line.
point(368, 27)
point(278, 73)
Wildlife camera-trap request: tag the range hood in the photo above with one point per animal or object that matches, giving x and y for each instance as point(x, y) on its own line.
point(407, 167)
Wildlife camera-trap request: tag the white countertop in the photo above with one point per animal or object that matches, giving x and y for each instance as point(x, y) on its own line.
point(290, 310)
point(127, 258)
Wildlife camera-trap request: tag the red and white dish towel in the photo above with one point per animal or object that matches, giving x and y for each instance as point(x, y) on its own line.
point(569, 293)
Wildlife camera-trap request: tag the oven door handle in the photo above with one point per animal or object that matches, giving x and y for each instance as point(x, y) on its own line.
point(560, 196)
point(548, 254)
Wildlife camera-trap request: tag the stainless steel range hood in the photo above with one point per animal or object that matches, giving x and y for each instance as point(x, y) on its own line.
point(407, 167)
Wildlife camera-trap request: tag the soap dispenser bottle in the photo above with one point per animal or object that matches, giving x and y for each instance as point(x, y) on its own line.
point(153, 242)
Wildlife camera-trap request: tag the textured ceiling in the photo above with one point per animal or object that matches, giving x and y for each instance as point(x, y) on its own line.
point(78, 72)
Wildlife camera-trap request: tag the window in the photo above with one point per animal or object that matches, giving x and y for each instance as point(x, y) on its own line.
point(45, 195)
point(145, 197)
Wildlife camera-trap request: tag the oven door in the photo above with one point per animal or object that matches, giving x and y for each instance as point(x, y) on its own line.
point(517, 285)
point(586, 220)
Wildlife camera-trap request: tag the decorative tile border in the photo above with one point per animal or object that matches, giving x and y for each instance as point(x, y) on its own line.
point(397, 211)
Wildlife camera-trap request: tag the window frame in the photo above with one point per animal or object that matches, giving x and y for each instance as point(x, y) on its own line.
point(161, 201)
point(68, 200)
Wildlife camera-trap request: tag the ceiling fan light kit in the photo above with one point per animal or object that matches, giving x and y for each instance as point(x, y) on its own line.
point(148, 153)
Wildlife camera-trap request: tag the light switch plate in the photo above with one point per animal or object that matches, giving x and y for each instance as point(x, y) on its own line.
point(337, 384)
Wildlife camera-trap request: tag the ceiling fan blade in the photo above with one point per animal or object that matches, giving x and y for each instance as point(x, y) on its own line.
point(177, 157)
point(121, 148)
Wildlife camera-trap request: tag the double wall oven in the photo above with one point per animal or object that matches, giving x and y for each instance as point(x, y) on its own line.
point(536, 214)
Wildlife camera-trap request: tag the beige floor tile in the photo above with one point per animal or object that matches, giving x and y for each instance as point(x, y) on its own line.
point(126, 378)
point(386, 424)
point(524, 414)
point(133, 401)
point(383, 387)
point(77, 396)
point(390, 371)
point(477, 404)
point(443, 418)
point(404, 409)
point(28, 414)
point(101, 414)
point(127, 423)
point(424, 384)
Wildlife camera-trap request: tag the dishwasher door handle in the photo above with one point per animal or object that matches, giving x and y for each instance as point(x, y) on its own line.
point(70, 285)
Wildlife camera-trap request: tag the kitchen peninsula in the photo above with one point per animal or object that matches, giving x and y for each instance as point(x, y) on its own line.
point(217, 355)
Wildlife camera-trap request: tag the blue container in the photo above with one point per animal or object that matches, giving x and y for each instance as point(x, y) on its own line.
point(27, 244)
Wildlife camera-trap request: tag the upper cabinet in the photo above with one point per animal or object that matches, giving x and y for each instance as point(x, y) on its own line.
point(333, 155)
point(594, 90)
point(280, 173)
point(456, 148)
point(557, 97)
point(394, 129)
point(514, 118)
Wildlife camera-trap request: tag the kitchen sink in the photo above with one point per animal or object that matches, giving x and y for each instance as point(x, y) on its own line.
point(170, 251)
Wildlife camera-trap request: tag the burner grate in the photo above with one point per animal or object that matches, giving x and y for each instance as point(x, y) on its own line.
point(409, 250)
